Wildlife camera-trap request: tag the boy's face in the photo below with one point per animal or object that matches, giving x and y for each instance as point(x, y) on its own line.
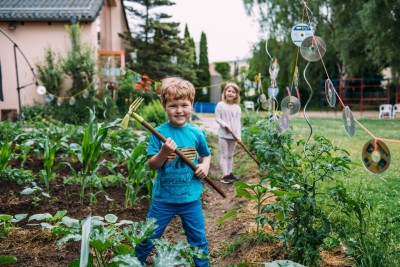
point(178, 111)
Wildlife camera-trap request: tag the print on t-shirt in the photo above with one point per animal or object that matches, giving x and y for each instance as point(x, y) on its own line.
point(177, 175)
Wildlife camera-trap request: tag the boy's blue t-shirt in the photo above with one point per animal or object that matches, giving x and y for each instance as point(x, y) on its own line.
point(176, 182)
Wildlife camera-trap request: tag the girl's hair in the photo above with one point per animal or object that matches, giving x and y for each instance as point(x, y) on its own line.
point(237, 90)
point(175, 89)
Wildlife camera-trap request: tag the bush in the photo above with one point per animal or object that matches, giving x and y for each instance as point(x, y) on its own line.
point(154, 113)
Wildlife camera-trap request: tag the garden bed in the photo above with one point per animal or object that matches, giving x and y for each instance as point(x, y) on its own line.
point(35, 247)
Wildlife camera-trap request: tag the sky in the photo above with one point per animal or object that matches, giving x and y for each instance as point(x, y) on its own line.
point(230, 32)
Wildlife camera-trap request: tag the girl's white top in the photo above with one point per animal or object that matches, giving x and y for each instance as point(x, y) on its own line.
point(228, 114)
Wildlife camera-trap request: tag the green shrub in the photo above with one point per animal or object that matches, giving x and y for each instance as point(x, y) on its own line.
point(154, 113)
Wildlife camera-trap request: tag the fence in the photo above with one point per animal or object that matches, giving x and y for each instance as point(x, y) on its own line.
point(363, 93)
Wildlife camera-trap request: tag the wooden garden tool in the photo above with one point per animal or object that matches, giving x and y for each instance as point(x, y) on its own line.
point(124, 124)
point(240, 143)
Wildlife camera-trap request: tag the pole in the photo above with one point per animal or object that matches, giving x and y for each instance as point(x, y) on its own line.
point(20, 116)
point(16, 71)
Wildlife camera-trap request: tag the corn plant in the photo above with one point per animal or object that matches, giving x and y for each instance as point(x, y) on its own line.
point(48, 173)
point(5, 155)
point(137, 172)
point(25, 148)
point(90, 154)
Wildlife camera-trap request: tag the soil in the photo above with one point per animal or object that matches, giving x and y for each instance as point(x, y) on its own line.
point(35, 247)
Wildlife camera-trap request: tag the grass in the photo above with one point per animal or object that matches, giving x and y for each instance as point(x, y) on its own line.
point(382, 189)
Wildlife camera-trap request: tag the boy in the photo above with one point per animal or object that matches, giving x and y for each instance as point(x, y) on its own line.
point(177, 188)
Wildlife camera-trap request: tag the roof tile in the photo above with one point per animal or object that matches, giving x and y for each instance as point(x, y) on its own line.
point(50, 10)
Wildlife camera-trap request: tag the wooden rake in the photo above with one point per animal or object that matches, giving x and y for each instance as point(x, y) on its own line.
point(240, 143)
point(124, 124)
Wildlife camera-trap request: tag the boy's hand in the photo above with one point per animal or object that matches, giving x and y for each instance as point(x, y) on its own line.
point(168, 147)
point(202, 170)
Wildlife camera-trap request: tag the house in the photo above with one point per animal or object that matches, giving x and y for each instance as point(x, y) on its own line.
point(216, 81)
point(29, 27)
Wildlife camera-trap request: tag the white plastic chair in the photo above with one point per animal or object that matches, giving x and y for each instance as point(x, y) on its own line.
point(396, 109)
point(249, 105)
point(385, 110)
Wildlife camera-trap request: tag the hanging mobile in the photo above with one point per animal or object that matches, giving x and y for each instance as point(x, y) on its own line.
point(313, 48)
point(375, 156)
point(348, 121)
point(330, 93)
point(300, 32)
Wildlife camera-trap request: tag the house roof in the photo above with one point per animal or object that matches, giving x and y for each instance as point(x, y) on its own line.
point(50, 10)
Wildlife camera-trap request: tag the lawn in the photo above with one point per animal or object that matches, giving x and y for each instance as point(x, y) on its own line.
point(383, 189)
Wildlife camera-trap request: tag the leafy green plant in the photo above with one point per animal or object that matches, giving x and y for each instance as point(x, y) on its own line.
point(260, 193)
point(154, 113)
point(36, 192)
point(5, 259)
point(20, 176)
point(108, 236)
point(6, 222)
point(298, 167)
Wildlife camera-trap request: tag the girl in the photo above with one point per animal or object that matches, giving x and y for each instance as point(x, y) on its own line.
point(227, 114)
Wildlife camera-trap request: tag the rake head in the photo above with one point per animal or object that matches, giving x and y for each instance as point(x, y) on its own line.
point(132, 108)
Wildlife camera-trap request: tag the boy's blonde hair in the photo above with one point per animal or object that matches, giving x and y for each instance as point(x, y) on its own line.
point(237, 90)
point(176, 89)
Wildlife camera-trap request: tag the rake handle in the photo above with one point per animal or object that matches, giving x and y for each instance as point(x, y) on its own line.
point(182, 156)
point(240, 143)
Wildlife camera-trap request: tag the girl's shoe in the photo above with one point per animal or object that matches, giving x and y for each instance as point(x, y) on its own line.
point(233, 177)
point(227, 179)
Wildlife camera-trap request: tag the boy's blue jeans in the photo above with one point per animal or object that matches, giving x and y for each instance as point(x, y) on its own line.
point(192, 221)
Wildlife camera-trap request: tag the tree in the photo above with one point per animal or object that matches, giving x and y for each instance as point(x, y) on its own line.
point(204, 68)
point(157, 45)
point(380, 23)
point(192, 45)
point(331, 20)
point(187, 58)
point(224, 69)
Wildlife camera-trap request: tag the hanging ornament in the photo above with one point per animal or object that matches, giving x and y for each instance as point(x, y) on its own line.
point(300, 32)
point(296, 77)
point(85, 94)
point(273, 91)
point(247, 83)
point(49, 98)
point(274, 69)
point(41, 90)
point(252, 92)
point(204, 90)
point(59, 102)
point(72, 101)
